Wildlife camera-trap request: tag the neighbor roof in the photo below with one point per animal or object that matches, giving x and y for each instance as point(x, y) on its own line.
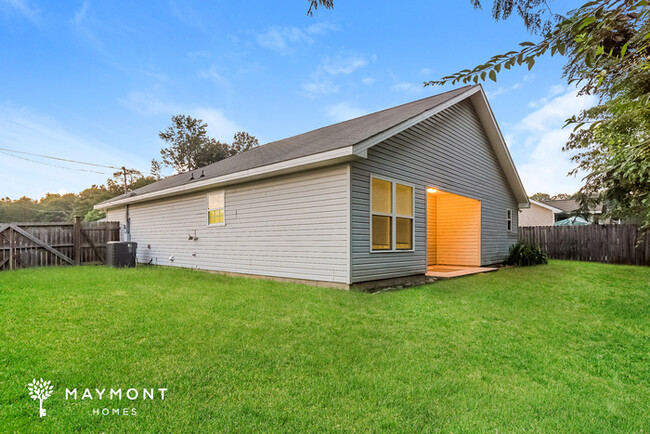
point(555, 210)
point(571, 205)
point(330, 142)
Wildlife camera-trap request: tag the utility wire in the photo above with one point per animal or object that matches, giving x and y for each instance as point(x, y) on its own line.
point(53, 165)
point(60, 159)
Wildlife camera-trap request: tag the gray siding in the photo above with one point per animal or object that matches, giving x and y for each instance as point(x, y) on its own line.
point(294, 226)
point(450, 151)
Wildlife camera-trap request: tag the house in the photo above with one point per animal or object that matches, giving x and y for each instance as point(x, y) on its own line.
point(539, 214)
point(571, 207)
point(378, 197)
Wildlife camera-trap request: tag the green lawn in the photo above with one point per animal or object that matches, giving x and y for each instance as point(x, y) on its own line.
point(562, 347)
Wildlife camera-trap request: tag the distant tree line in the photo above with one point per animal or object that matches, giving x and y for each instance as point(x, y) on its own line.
point(189, 147)
point(543, 197)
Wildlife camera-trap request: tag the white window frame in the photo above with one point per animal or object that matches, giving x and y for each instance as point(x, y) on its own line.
point(509, 219)
point(393, 215)
point(208, 209)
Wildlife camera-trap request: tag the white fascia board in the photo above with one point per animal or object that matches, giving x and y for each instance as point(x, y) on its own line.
point(362, 147)
point(297, 164)
point(543, 205)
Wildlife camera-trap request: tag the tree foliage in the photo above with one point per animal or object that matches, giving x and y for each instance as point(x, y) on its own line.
point(190, 147)
point(543, 197)
point(607, 47)
point(536, 14)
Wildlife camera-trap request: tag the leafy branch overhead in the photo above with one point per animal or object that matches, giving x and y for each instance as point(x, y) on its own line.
point(607, 47)
point(604, 35)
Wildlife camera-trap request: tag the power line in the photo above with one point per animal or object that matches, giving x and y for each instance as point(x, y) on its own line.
point(53, 165)
point(60, 159)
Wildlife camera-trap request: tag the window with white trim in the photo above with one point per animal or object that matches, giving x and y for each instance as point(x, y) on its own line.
point(216, 208)
point(391, 215)
point(509, 219)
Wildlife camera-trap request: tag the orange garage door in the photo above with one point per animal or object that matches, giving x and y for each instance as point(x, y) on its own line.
point(453, 229)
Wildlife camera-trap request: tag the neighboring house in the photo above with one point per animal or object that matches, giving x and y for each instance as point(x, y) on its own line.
point(571, 207)
point(539, 214)
point(381, 196)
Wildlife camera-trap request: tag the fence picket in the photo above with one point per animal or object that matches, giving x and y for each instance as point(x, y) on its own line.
point(43, 244)
point(615, 244)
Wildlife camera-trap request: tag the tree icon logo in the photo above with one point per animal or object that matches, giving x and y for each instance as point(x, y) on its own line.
point(40, 390)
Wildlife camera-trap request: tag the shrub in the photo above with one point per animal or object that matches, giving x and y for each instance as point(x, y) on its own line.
point(525, 253)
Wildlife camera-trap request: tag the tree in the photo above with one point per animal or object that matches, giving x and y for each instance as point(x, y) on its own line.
point(607, 47)
point(93, 215)
point(134, 180)
point(190, 147)
point(155, 170)
point(242, 142)
point(541, 197)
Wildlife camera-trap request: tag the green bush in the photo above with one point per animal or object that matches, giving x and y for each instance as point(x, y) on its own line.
point(525, 253)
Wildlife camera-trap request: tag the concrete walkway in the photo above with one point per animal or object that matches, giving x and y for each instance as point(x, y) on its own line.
point(449, 271)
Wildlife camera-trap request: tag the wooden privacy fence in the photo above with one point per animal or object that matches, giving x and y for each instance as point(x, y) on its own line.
point(615, 244)
point(24, 245)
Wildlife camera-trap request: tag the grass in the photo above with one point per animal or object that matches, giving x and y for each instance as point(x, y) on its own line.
point(562, 347)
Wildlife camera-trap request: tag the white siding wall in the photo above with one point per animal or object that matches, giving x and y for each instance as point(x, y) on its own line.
point(294, 226)
point(536, 216)
point(118, 215)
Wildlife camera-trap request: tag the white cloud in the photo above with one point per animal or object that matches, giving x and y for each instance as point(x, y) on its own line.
point(426, 71)
point(282, 39)
point(343, 111)
point(368, 80)
point(80, 14)
point(541, 134)
point(320, 86)
point(148, 103)
point(320, 81)
point(219, 126)
point(26, 130)
point(322, 28)
point(340, 65)
point(408, 87)
point(211, 74)
point(552, 91)
point(21, 6)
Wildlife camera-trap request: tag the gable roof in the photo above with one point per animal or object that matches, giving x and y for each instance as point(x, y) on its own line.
point(571, 205)
point(335, 143)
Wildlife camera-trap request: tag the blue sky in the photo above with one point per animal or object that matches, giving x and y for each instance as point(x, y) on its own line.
point(96, 80)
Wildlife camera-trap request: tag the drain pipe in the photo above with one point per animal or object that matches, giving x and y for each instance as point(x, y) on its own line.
point(128, 224)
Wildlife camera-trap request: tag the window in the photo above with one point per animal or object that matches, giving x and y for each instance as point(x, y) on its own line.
point(216, 208)
point(509, 219)
point(391, 215)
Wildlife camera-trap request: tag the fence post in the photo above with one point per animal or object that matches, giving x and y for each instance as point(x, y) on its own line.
point(11, 249)
point(76, 239)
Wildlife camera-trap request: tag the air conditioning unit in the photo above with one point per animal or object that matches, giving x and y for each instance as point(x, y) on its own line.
point(120, 253)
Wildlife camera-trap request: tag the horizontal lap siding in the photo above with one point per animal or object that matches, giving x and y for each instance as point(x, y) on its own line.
point(449, 151)
point(536, 216)
point(293, 226)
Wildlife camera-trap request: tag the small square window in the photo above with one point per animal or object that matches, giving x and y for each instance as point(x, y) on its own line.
point(216, 208)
